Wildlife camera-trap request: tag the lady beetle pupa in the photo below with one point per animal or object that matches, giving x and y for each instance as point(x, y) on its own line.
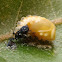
point(42, 27)
point(34, 29)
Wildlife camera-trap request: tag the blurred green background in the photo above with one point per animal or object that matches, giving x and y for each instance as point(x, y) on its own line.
point(11, 11)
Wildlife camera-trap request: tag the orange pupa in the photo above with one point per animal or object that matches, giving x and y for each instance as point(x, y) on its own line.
point(40, 26)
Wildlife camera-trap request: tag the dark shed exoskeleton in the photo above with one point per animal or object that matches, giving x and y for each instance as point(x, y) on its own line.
point(19, 34)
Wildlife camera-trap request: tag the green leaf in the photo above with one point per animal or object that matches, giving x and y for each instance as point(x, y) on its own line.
point(11, 11)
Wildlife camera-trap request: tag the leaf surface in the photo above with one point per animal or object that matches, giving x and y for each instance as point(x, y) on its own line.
point(11, 11)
